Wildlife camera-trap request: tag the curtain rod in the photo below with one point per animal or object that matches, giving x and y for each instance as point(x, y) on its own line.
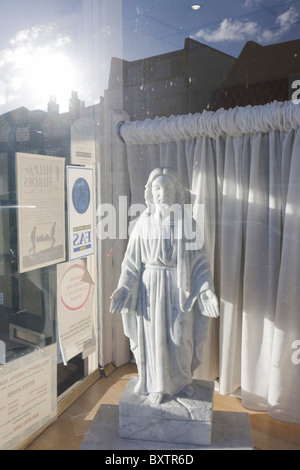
point(281, 116)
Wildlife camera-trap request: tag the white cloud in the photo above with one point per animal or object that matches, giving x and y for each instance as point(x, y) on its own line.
point(6, 57)
point(39, 39)
point(62, 40)
point(35, 64)
point(236, 30)
point(285, 22)
point(2, 93)
point(26, 35)
point(15, 83)
point(287, 19)
point(229, 30)
point(11, 98)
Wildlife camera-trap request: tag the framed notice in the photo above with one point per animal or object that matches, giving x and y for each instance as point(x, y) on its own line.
point(83, 142)
point(81, 213)
point(28, 396)
point(75, 291)
point(41, 210)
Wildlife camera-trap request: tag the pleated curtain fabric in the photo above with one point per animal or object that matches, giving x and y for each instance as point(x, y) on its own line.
point(241, 167)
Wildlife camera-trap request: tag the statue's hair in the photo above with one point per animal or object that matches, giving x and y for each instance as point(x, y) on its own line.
point(179, 198)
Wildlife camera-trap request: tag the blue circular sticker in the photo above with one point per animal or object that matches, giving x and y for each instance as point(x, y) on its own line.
point(81, 195)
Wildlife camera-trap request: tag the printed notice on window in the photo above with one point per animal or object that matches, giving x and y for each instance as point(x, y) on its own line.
point(28, 396)
point(41, 211)
point(75, 291)
point(83, 142)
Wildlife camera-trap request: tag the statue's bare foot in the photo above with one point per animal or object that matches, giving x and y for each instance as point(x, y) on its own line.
point(156, 398)
point(188, 390)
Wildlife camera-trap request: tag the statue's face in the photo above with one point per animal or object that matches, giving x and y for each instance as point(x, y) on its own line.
point(163, 190)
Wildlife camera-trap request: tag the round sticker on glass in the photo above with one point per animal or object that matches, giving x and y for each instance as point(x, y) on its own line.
point(81, 195)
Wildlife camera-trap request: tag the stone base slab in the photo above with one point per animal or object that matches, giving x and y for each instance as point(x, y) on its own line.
point(230, 431)
point(179, 419)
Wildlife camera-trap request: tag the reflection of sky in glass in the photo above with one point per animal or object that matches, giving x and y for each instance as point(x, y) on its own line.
point(50, 48)
point(223, 25)
point(35, 53)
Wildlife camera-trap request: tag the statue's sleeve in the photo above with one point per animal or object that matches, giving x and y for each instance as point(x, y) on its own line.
point(131, 267)
point(200, 275)
point(130, 278)
point(194, 273)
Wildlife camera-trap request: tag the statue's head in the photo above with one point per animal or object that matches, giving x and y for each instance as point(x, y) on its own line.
point(163, 187)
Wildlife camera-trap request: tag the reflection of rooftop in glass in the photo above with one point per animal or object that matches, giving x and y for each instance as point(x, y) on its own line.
point(196, 7)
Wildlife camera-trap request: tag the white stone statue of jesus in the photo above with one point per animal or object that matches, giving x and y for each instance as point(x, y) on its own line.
point(165, 291)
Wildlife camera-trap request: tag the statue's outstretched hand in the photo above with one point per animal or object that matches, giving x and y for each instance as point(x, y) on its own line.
point(210, 304)
point(119, 299)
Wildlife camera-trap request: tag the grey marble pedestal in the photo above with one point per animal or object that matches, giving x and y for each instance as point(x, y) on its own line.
point(179, 419)
point(219, 430)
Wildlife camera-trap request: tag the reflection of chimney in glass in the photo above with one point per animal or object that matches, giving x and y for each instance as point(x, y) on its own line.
point(75, 105)
point(53, 106)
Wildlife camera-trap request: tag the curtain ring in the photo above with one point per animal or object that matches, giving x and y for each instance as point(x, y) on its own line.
point(119, 125)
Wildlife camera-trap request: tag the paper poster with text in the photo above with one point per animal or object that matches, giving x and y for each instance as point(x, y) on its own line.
point(83, 142)
point(41, 210)
point(28, 396)
point(81, 213)
point(75, 292)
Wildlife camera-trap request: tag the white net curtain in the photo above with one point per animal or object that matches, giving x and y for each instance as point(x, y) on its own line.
point(243, 165)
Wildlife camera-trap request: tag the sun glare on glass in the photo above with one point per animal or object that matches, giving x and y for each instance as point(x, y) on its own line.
point(51, 74)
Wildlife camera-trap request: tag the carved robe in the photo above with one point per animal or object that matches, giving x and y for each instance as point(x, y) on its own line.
point(162, 270)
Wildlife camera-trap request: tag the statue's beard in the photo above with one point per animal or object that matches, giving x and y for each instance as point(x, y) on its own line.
point(163, 208)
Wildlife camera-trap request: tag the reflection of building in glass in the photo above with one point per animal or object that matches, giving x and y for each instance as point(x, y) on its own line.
point(190, 80)
point(199, 77)
point(260, 75)
point(178, 82)
point(44, 133)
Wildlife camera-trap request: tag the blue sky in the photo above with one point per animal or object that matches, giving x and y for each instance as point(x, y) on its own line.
point(223, 24)
point(46, 46)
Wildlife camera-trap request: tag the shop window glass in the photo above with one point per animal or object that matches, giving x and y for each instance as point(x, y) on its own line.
point(61, 63)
